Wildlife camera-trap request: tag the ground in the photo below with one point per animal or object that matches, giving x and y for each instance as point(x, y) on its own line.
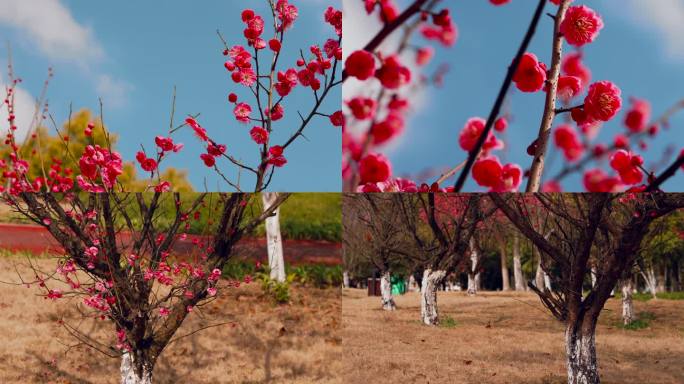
point(295, 343)
point(501, 338)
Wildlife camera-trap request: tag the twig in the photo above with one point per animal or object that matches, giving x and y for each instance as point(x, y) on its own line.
point(501, 97)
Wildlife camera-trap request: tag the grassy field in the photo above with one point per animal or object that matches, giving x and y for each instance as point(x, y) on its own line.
point(295, 343)
point(304, 216)
point(502, 338)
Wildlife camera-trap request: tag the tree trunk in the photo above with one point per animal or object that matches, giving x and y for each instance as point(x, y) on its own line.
point(274, 242)
point(661, 285)
point(131, 375)
point(505, 278)
point(676, 277)
point(345, 279)
point(627, 304)
point(473, 275)
point(386, 292)
point(517, 265)
point(472, 283)
point(580, 347)
point(428, 296)
point(412, 285)
point(651, 281)
point(539, 275)
point(547, 281)
point(594, 276)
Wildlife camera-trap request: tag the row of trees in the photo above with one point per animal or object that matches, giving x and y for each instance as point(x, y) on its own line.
point(583, 247)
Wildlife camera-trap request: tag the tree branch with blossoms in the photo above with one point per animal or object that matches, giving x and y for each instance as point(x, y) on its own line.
point(124, 265)
point(271, 88)
point(384, 112)
point(563, 81)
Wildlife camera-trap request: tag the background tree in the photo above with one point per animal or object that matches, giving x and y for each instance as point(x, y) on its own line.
point(373, 233)
point(441, 228)
point(59, 152)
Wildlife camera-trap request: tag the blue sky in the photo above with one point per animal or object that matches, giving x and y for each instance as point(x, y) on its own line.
point(640, 49)
point(132, 53)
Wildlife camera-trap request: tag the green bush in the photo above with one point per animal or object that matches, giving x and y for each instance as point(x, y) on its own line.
point(279, 292)
point(319, 276)
point(642, 321)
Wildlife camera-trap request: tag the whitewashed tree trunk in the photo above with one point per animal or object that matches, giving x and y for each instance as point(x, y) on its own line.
point(627, 304)
point(517, 265)
point(651, 281)
point(505, 278)
point(413, 286)
point(581, 357)
point(428, 296)
point(539, 277)
point(386, 292)
point(547, 281)
point(473, 275)
point(345, 279)
point(472, 284)
point(128, 374)
point(274, 242)
point(593, 276)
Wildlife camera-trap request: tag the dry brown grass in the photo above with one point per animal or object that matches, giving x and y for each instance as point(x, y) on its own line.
point(296, 343)
point(501, 338)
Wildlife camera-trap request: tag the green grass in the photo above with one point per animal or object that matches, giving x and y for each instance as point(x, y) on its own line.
point(447, 322)
point(661, 295)
point(643, 321)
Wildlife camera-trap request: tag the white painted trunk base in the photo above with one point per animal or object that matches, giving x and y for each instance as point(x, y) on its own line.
point(428, 296)
point(627, 304)
point(473, 276)
point(386, 292)
point(473, 284)
point(581, 358)
point(651, 281)
point(518, 277)
point(345, 279)
point(274, 242)
point(505, 279)
point(539, 277)
point(128, 375)
point(547, 281)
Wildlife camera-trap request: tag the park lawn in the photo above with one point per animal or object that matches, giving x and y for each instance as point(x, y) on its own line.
point(502, 338)
point(295, 343)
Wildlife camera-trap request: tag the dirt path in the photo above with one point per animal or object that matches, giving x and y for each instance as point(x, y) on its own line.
point(501, 338)
point(297, 343)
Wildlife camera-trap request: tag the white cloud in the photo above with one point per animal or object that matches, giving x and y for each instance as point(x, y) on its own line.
point(24, 110)
point(50, 26)
point(114, 92)
point(664, 17)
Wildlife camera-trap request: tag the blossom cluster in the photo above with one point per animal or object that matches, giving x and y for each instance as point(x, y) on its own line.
point(379, 117)
point(381, 113)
